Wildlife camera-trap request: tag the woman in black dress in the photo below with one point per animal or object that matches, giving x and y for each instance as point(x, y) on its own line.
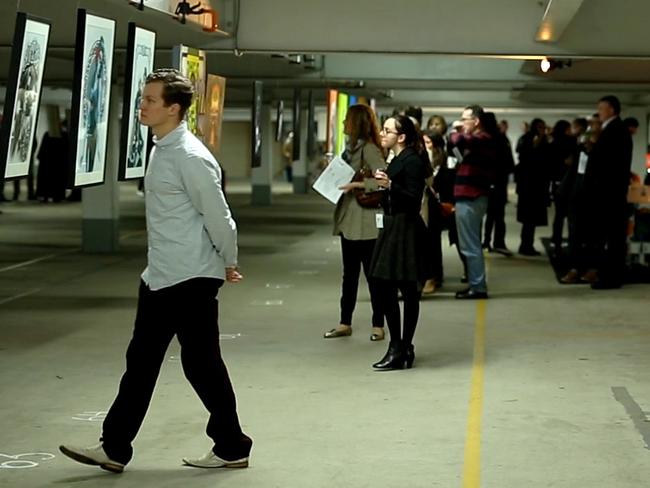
point(401, 259)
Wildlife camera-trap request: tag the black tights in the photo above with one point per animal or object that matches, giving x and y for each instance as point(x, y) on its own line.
point(411, 292)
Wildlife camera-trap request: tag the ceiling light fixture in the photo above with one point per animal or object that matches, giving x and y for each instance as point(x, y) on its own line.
point(549, 64)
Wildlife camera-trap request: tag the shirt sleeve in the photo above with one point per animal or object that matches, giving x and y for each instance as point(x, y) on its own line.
point(375, 160)
point(202, 180)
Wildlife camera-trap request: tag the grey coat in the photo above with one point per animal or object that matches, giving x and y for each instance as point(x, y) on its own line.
point(350, 219)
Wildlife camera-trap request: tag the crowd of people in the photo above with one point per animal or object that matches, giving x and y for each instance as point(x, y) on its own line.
point(431, 178)
point(413, 184)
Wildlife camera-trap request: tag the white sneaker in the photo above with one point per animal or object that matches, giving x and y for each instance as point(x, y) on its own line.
point(211, 460)
point(93, 455)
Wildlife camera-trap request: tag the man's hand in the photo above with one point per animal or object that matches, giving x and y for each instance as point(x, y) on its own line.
point(233, 275)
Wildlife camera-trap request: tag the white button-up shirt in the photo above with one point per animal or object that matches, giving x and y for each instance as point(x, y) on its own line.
point(190, 230)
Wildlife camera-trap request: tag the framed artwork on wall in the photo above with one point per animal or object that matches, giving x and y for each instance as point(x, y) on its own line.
point(341, 112)
point(332, 104)
point(192, 64)
point(213, 117)
point(256, 126)
point(141, 48)
point(279, 117)
point(311, 126)
point(22, 100)
point(91, 99)
point(297, 95)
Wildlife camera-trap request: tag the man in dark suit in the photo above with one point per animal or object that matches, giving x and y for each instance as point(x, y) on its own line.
point(607, 178)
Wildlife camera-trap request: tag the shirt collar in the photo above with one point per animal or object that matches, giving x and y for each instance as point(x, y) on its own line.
point(173, 137)
point(606, 123)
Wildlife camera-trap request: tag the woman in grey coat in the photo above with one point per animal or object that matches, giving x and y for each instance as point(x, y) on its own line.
point(355, 225)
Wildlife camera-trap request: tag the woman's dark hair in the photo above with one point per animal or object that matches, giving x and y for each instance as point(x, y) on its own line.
point(560, 129)
point(436, 139)
point(439, 118)
point(534, 126)
point(489, 123)
point(176, 88)
point(582, 123)
point(363, 124)
point(413, 138)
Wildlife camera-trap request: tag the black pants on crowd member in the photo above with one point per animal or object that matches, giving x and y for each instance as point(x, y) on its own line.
point(495, 218)
point(356, 254)
point(561, 214)
point(527, 238)
point(582, 249)
point(610, 237)
point(189, 311)
point(411, 293)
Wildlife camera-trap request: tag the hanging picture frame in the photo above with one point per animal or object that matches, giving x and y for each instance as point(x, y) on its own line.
point(193, 65)
point(256, 125)
point(213, 117)
point(22, 100)
point(91, 99)
point(141, 48)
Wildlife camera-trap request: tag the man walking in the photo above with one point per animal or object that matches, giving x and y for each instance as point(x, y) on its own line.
point(192, 249)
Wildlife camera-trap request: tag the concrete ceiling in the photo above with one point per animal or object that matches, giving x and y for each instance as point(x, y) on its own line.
point(428, 52)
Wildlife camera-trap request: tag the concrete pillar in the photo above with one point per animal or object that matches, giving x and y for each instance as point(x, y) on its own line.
point(262, 177)
point(300, 182)
point(100, 207)
point(640, 139)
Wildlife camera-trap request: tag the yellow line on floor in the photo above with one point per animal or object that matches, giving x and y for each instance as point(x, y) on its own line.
point(472, 464)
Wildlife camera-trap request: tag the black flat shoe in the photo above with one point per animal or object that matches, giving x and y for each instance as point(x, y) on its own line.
point(529, 252)
point(471, 295)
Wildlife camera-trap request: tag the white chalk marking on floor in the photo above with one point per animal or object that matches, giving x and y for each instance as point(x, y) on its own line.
point(20, 295)
point(90, 416)
point(53, 255)
point(317, 262)
point(17, 461)
point(37, 260)
point(267, 303)
point(307, 272)
point(229, 337)
point(279, 286)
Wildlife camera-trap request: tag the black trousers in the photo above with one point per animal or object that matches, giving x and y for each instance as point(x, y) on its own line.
point(495, 219)
point(583, 253)
point(411, 293)
point(189, 311)
point(611, 244)
point(527, 237)
point(356, 254)
point(561, 214)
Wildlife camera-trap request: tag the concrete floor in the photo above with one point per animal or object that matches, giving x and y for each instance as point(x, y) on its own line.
point(559, 402)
